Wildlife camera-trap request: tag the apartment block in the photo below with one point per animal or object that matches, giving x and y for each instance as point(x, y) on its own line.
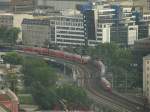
point(67, 30)
point(35, 32)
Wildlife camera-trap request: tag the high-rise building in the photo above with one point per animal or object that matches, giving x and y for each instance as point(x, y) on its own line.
point(125, 31)
point(144, 26)
point(98, 18)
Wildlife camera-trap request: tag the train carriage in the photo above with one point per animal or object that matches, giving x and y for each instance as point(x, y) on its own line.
point(56, 53)
point(69, 56)
point(105, 84)
point(77, 58)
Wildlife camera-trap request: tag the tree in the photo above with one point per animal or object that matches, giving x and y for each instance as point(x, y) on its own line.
point(118, 61)
point(12, 81)
point(43, 96)
point(13, 58)
point(12, 35)
point(36, 70)
point(9, 35)
point(75, 97)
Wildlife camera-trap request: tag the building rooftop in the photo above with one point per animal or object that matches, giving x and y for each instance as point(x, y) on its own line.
point(147, 57)
point(35, 22)
point(144, 40)
point(5, 14)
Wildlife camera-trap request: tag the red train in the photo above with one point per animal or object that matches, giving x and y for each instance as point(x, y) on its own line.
point(71, 57)
point(58, 54)
point(103, 81)
point(105, 84)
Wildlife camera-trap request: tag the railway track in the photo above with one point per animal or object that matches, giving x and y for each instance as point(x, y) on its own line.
point(111, 100)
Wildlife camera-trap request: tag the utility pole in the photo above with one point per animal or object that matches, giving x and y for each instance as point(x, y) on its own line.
point(126, 82)
point(64, 68)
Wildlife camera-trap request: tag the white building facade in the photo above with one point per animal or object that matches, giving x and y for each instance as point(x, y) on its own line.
point(67, 30)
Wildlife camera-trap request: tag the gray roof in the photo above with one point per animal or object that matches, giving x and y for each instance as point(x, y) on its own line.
point(35, 22)
point(147, 57)
point(144, 40)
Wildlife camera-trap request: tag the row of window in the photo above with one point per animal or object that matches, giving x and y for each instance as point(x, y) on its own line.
point(70, 23)
point(70, 32)
point(72, 37)
point(77, 19)
point(70, 41)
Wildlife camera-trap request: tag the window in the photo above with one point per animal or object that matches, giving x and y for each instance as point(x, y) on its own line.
point(147, 68)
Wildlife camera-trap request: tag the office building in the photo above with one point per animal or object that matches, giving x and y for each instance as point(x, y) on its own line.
point(35, 32)
point(67, 30)
point(125, 30)
point(97, 22)
point(144, 26)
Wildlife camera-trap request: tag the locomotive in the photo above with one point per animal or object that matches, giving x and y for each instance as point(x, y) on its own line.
point(58, 54)
point(106, 85)
point(71, 57)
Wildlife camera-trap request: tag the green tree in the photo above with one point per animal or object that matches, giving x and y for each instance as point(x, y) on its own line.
point(118, 61)
point(12, 35)
point(12, 81)
point(74, 96)
point(37, 70)
point(9, 35)
point(43, 96)
point(13, 58)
